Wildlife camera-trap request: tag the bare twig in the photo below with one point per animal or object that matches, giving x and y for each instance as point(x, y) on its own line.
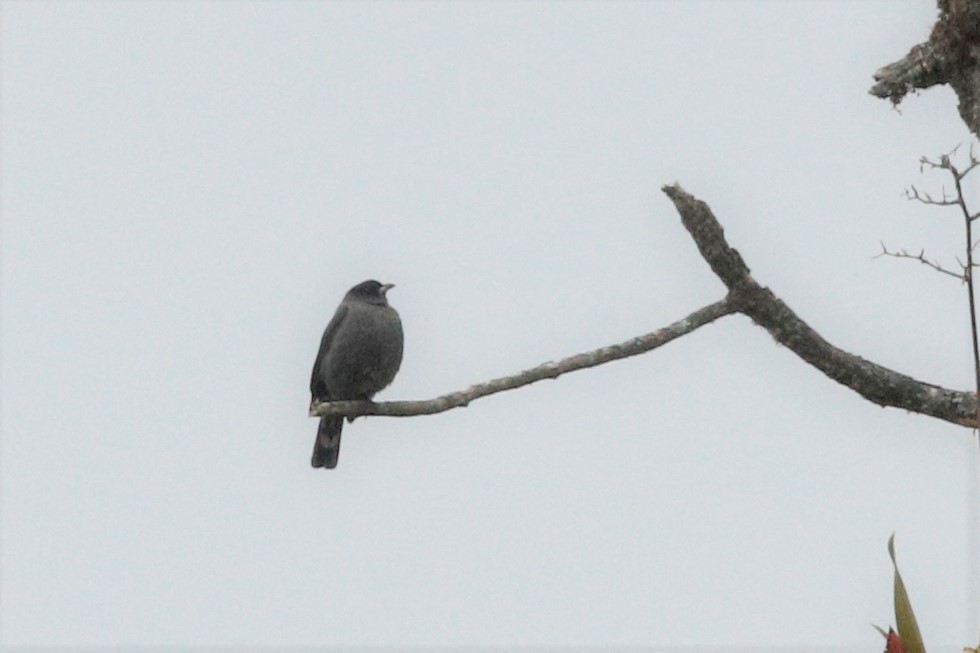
point(973, 162)
point(926, 198)
point(921, 258)
point(940, 164)
point(965, 171)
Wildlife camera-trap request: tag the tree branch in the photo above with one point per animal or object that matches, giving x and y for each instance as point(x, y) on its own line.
point(550, 370)
point(876, 383)
point(919, 69)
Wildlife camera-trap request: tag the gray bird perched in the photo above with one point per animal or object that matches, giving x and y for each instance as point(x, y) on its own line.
point(360, 352)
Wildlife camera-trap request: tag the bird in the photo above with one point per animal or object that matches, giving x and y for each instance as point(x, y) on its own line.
point(360, 353)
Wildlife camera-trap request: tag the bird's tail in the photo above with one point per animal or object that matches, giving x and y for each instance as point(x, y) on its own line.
point(327, 446)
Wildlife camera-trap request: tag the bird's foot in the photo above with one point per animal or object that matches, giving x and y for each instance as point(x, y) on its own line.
point(367, 399)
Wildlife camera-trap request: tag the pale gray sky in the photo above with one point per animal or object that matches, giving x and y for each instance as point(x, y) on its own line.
point(189, 189)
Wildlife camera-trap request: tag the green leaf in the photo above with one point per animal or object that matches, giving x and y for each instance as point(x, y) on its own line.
point(908, 627)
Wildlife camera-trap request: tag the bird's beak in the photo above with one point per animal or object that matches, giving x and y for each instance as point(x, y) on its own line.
point(385, 287)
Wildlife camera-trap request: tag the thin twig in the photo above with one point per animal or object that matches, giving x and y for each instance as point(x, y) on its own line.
point(926, 198)
point(973, 164)
point(921, 258)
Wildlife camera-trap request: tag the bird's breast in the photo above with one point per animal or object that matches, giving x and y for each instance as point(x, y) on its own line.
point(366, 355)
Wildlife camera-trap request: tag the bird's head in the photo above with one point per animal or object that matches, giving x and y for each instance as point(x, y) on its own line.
point(371, 291)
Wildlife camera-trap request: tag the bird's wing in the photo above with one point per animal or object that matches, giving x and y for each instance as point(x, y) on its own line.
point(317, 388)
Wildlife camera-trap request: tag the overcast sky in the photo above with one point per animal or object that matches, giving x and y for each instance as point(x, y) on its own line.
point(190, 188)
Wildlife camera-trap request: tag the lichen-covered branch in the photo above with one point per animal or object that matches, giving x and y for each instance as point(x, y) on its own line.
point(921, 68)
point(950, 56)
point(876, 383)
point(550, 370)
